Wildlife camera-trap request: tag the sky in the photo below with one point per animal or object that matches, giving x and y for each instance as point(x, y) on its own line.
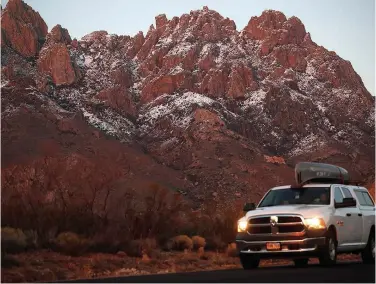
point(344, 26)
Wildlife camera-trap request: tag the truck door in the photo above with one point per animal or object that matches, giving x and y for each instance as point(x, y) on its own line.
point(354, 220)
point(367, 209)
point(339, 218)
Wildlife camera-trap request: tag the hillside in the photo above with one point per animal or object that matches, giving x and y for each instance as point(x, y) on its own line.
point(195, 105)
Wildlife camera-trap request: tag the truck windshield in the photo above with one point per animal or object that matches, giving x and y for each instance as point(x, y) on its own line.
point(289, 196)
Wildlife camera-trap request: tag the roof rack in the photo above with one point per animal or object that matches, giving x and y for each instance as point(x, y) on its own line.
point(311, 172)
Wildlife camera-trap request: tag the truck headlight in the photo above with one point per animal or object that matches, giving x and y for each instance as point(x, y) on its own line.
point(242, 225)
point(315, 223)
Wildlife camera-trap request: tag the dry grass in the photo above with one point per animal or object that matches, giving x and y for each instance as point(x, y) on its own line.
point(13, 240)
point(180, 243)
point(231, 250)
point(52, 266)
point(198, 242)
point(71, 244)
point(141, 247)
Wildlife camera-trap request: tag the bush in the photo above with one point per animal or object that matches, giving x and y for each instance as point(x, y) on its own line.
point(13, 240)
point(198, 242)
point(140, 247)
point(215, 244)
point(71, 244)
point(180, 243)
point(31, 239)
point(231, 250)
point(202, 254)
point(8, 261)
point(105, 243)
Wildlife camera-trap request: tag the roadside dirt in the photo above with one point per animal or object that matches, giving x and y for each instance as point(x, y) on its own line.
point(52, 266)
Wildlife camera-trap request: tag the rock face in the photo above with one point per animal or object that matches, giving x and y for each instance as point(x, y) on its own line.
point(216, 110)
point(22, 28)
point(119, 99)
point(55, 60)
point(59, 35)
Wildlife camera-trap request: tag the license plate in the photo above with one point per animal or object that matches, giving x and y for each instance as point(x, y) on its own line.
point(273, 246)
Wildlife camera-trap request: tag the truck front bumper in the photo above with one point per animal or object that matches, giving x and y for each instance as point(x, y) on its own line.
point(307, 245)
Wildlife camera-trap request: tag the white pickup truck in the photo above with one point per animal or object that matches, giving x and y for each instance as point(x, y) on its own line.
point(322, 216)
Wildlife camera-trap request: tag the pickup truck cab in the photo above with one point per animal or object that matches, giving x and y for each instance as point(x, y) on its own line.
point(315, 219)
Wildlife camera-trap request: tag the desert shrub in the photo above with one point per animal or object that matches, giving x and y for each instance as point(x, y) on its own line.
point(141, 247)
point(71, 244)
point(220, 221)
point(31, 239)
point(145, 258)
point(105, 242)
point(202, 254)
point(231, 250)
point(215, 244)
point(200, 251)
point(13, 240)
point(8, 261)
point(198, 242)
point(180, 243)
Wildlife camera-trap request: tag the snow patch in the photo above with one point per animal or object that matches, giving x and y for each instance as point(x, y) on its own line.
point(342, 93)
point(176, 70)
point(320, 106)
point(88, 60)
point(371, 118)
point(309, 84)
point(223, 50)
point(255, 99)
point(275, 134)
point(115, 64)
point(4, 82)
point(328, 124)
point(342, 137)
point(310, 70)
point(115, 126)
point(180, 49)
point(308, 144)
point(9, 111)
point(205, 50)
point(164, 41)
point(297, 97)
point(178, 109)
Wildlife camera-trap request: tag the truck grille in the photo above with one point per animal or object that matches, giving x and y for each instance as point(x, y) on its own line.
point(276, 224)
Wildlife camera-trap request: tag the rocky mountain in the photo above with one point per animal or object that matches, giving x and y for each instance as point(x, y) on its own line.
point(195, 105)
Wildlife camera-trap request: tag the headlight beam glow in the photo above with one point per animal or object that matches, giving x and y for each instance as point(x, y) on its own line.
point(315, 223)
point(242, 225)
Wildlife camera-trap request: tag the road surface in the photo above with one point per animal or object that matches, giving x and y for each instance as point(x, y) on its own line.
point(340, 273)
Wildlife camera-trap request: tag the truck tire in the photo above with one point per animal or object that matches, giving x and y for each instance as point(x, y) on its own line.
point(249, 262)
point(301, 262)
point(368, 254)
point(328, 254)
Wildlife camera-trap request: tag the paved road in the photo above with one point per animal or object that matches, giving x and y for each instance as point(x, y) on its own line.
point(341, 273)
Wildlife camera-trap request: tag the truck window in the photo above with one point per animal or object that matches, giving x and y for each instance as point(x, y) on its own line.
point(338, 196)
point(346, 192)
point(360, 197)
point(292, 196)
point(368, 199)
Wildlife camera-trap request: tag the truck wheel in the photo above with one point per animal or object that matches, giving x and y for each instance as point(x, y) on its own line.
point(301, 262)
point(328, 255)
point(249, 262)
point(368, 254)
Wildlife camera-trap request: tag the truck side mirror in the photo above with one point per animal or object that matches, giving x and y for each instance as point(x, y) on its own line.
point(346, 202)
point(249, 207)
